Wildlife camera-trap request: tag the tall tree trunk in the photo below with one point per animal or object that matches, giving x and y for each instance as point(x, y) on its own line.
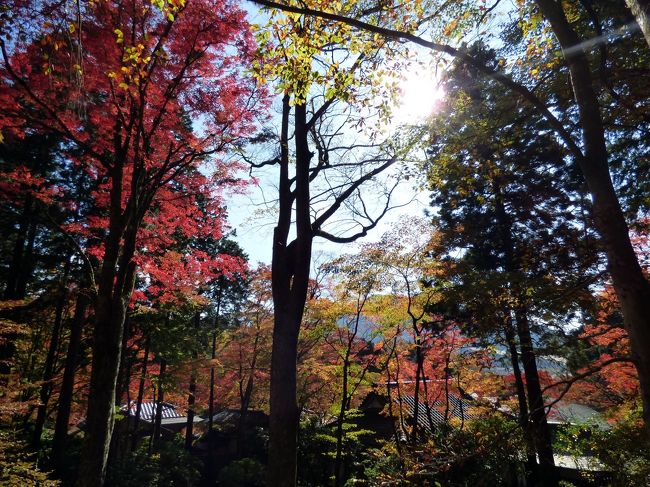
point(631, 286)
point(191, 398)
point(119, 439)
point(48, 369)
point(138, 407)
point(524, 421)
point(107, 344)
point(290, 279)
point(419, 371)
point(396, 435)
point(536, 412)
point(215, 327)
point(641, 11)
point(67, 383)
point(124, 371)
point(283, 420)
point(157, 429)
point(535, 399)
point(115, 287)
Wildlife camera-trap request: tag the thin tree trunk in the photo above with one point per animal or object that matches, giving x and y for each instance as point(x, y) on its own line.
point(138, 407)
point(535, 399)
point(531, 460)
point(157, 430)
point(536, 412)
point(124, 374)
point(119, 440)
point(67, 383)
point(215, 327)
point(48, 370)
point(447, 359)
point(345, 397)
point(419, 359)
point(191, 398)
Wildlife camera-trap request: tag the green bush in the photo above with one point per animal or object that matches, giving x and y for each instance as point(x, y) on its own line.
point(246, 472)
point(171, 466)
point(17, 466)
point(623, 450)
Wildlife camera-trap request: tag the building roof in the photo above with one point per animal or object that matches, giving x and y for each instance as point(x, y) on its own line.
point(459, 408)
point(572, 413)
point(170, 414)
point(231, 416)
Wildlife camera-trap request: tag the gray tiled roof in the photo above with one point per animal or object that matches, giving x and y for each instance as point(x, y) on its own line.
point(459, 409)
point(148, 411)
point(572, 413)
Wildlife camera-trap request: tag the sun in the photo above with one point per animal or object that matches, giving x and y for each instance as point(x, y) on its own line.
point(421, 96)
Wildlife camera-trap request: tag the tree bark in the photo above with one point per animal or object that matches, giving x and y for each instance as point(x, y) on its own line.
point(531, 460)
point(48, 369)
point(67, 383)
point(157, 431)
point(191, 398)
point(115, 287)
point(107, 346)
point(536, 410)
point(631, 286)
point(124, 371)
point(419, 371)
point(290, 279)
point(138, 407)
point(213, 356)
point(641, 11)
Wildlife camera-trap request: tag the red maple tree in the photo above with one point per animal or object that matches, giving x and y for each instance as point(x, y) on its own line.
point(143, 93)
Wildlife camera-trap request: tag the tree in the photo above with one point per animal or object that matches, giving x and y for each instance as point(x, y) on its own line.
point(123, 91)
point(403, 255)
point(524, 236)
point(245, 357)
point(327, 180)
point(353, 338)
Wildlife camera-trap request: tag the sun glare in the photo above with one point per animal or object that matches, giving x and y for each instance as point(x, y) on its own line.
point(421, 96)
